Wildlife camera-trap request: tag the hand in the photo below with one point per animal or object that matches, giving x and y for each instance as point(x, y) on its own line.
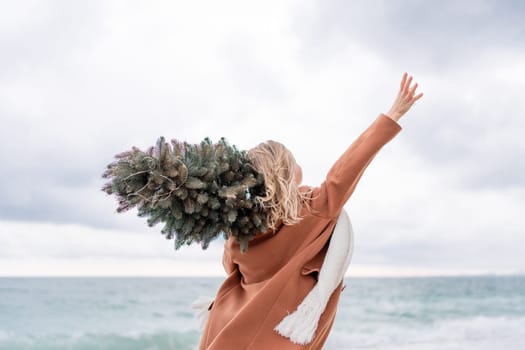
point(405, 98)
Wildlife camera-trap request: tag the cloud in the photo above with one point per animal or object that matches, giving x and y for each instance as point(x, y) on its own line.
point(43, 35)
point(83, 82)
point(50, 240)
point(412, 33)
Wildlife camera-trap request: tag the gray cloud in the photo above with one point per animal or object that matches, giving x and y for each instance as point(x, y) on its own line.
point(82, 82)
point(42, 35)
point(414, 33)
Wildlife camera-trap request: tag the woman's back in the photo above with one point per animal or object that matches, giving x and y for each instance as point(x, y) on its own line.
point(280, 268)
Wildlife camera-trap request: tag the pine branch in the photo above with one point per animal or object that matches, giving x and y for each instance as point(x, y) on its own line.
point(198, 191)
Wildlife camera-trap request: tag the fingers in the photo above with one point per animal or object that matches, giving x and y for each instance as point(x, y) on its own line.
point(405, 88)
point(412, 90)
point(403, 80)
point(411, 103)
point(406, 98)
point(417, 97)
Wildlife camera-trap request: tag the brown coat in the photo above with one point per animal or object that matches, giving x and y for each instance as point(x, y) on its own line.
point(280, 267)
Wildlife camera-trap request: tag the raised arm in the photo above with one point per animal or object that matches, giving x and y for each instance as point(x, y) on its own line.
point(344, 175)
point(342, 178)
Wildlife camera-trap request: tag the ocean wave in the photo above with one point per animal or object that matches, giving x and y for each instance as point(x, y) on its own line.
point(132, 340)
point(480, 333)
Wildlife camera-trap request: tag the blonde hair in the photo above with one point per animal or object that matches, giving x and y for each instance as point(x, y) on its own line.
point(282, 199)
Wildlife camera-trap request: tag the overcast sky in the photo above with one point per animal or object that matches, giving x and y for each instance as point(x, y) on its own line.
point(81, 81)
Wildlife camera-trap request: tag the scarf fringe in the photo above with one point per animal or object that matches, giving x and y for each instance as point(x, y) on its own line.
point(201, 309)
point(300, 325)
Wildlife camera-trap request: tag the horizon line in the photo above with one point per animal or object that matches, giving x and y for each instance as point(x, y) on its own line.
point(488, 274)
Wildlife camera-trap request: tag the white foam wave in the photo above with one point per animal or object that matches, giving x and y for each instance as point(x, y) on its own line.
point(480, 333)
point(161, 339)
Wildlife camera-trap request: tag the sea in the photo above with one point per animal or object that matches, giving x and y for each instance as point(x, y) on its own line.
point(154, 313)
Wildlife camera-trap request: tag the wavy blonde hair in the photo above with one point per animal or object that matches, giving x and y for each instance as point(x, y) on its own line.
point(282, 199)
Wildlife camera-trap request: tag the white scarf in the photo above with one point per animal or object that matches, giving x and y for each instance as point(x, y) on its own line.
point(300, 325)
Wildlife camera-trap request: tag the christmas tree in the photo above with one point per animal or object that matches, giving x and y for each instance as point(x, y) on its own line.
point(198, 191)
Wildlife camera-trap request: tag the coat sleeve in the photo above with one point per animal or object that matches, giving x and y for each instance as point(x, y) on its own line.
point(342, 178)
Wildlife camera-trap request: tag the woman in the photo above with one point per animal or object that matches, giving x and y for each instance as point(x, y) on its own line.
point(269, 281)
